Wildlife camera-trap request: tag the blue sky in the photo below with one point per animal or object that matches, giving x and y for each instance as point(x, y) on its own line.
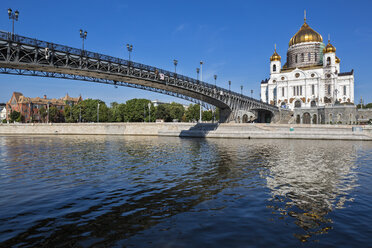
point(234, 38)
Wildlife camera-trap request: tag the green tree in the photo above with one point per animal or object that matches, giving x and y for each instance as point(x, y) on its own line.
point(207, 115)
point(68, 117)
point(55, 115)
point(369, 105)
point(162, 112)
point(176, 111)
point(15, 116)
point(192, 113)
point(137, 110)
point(118, 112)
point(88, 109)
point(43, 114)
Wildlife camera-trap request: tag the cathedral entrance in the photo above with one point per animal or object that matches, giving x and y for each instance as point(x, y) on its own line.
point(298, 119)
point(315, 119)
point(306, 118)
point(245, 118)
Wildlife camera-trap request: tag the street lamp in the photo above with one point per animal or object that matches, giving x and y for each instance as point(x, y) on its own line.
point(229, 86)
point(13, 17)
point(201, 79)
point(175, 62)
point(197, 73)
point(215, 81)
point(149, 105)
point(130, 48)
point(241, 89)
point(98, 113)
point(83, 36)
point(251, 93)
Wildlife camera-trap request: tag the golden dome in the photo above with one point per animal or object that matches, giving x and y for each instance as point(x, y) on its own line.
point(329, 48)
point(275, 56)
point(305, 34)
point(337, 60)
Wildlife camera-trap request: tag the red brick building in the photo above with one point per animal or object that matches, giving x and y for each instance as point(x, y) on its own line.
point(29, 107)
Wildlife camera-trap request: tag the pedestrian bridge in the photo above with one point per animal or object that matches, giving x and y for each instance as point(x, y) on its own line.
point(21, 55)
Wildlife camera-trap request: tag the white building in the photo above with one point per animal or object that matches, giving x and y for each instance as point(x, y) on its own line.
point(311, 76)
point(2, 113)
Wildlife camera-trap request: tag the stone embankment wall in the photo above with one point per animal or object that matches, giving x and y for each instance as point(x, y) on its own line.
point(204, 130)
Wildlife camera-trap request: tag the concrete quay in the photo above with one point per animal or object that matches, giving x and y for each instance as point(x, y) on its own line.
point(198, 130)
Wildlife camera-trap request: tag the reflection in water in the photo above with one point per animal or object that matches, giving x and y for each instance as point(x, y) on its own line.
point(307, 182)
point(123, 191)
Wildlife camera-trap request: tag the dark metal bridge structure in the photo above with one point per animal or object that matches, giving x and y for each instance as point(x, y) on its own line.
point(31, 57)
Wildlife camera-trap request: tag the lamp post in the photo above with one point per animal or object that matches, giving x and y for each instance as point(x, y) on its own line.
point(215, 81)
point(149, 105)
point(241, 90)
point(83, 36)
point(201, 79)
point(229, 86)
point(48, 112)
point(175, 62)
point(197, 73)
point(98, 113)
point(13, 17)
point(251, 93)
point(130, 48)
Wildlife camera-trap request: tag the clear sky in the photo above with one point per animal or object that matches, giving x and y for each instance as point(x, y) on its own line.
point(234, 38)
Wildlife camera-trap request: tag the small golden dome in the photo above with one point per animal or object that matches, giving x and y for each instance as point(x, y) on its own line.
point(337, 60)
point(329, 48)
point(275, 56)
point(305, 34)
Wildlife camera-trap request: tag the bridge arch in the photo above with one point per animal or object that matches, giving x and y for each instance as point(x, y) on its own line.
point(24, 56)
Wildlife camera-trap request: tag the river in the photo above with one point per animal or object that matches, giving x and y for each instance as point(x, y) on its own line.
point(115, 191)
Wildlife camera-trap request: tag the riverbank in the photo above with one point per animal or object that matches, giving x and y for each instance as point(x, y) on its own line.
point(203, 130)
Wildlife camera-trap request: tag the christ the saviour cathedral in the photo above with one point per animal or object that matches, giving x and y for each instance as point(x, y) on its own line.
point(311, 83)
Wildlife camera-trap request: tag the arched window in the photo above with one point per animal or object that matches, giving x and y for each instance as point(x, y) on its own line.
point(308, 57)
point(274, 67)
point(313, 89)
point(329, 89)
point(297, 104)
point(313, 103)
point(302, 57)
point(344, 90)
point(296, 58)
point(328, 61)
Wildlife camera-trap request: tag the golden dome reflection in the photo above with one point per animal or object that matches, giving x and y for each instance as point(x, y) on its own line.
point(305, 34)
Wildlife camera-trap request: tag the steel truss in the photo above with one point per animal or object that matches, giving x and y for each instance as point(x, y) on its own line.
point(30, 57)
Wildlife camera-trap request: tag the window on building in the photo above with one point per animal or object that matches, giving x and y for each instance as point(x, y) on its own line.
point(302, 57)
point(344, 90)
point(294, 90)
point(329, 89)
point(274, 67)
point(316, 57)
point(295, 58)
point(283, 91)
point(313, 89)
point(308, 57)
point(300, 90)
point(328, 61)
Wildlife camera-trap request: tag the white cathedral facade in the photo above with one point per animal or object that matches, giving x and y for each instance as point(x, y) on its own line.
point(311, 76)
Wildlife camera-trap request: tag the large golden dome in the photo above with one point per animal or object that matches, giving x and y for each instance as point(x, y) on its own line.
point(305, 34)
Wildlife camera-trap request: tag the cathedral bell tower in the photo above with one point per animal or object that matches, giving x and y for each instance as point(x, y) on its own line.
point(275, 64)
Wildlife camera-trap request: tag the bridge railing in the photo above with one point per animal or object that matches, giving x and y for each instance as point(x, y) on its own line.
point(79, 52)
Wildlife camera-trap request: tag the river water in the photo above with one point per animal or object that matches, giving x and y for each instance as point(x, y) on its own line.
point(110, 191)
